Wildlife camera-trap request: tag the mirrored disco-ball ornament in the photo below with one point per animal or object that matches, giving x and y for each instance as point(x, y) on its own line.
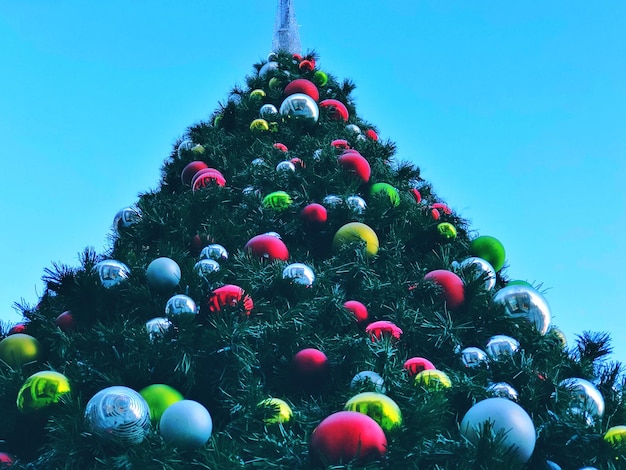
point(205, 267)
point(157, 327)
point(215, 252)
point(268, 111)
point(503, 390)
point(501, 347)
point(585, 400)
point(125, 218)
point(474, 357)
point(300, 107)
point(299, 273)
point(111, 272)
point(368, 380)
point(526, 302)
point(180, 304)
point(356, 204)
point(286, 166)
point(119, 414)
point(332, 201)
point(480, 267)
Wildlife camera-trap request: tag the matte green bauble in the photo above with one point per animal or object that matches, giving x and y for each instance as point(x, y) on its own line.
point(159, 397)
point(489, 249)
point(320, 78)
point(42, 390)
point(19, 349)
point(356, 232)
point(388, 190)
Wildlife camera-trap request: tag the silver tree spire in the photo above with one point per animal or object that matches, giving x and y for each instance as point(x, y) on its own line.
point(286, 34)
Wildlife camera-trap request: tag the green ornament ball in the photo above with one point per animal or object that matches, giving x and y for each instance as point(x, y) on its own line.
point(42, 390)
point(278, 200)
point(447, 230)
point(259, 125)
point(275, 411)
point(388, 190)
point(489, 249)
point(320, 78)
point(159, 397)
point(19, 349)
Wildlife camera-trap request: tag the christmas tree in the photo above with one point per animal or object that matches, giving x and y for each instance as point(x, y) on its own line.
point(293, 296)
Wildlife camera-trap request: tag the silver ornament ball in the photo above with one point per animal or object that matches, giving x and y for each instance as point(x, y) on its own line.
point(501, 347)
point(526, 302)
point(353, 128)
point(205, 267)
point(473, 357)
point(286, 166)
point(119, 414)
point(356, 204)
point(503, 390)
point(158, 327)
point(300, 107)
point(267, 68)
point(585, 400)
point(268, 112)
point(180, 304)
point(112, 272)
point(125, 218)
point(300, 274)
point(369, 380)
point(185, 145)
point(214, 251)
point(332, 201)
point(478, 267)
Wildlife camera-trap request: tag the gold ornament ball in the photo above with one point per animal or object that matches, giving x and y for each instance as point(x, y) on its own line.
point(616, 436)
point(357, 232)
point(259, 125)
point(275, 411)
point(42, 390)
point(379, 407)
point(19, 349)
point(257, 94)
point(433, 379)
point(447, 230)
point(159, 397)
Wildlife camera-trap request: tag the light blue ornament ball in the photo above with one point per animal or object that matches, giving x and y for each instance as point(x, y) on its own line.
point(186, 424)
point(163, 274)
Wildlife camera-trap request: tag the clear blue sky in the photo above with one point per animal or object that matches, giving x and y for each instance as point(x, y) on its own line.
point(515, 111)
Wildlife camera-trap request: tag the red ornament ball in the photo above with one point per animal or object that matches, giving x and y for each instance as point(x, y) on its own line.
point(310, 367)
point(18, 328)
point(415, 365)
point(207, 177)
point(341, 144)
point(230, 295)
point(302, 85)
point(306, 65)
point(358, 309)
point(371, 133)
point(6, 460)
point(314, 213)
point(281, 147)
point(336, 109)
point(382, 329)
point(355, 163)
point(190, 171)
point(442, 207)
point(416, 195)
point(267, 247)
point(66, 322)
point(346, 436)
point(452, 285)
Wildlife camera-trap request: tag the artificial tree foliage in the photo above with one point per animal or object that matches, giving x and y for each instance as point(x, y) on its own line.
point(230, 361)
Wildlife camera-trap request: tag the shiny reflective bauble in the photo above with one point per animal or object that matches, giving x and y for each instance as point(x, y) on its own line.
point(186, 424)
point(259, 125)
point(503, 390)
point(267, 68)
point(180, 304)
point(42, 390)
point(383, 329)
point(301, 108)
point(501, 347)
point(267, 247)
point(275, 411)
point(332, 201)
point(163, 274)
point(258, 162)
point(433, 379)
point(157, 327)
point(300, 274)
point(268, 111)
point(446, 230)
point(368, 379)
point(118, 414)
point(19, 349)
point(415, 365)
point(111, 272)
point(474, 357)
point(353, 128)
point(286, 166)
point(184, 146)
point(391, 193)
point(508, 419)
point(377, 406)
point(616, 436)
point(356, 204)
point(356, 232)
point(205, 267)
point(159, 397)
point(215, 252)
point(489, 249)
point(585, 400)
point(525, 302)
point(125, 218)
point(477, 267)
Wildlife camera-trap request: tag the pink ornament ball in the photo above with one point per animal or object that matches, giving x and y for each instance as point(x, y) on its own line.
point(381, 329)
point(314, 213)
point(357, 309)
point(336, 109)
point(371, 133)
point(310, 368)
point(452, 285)
point(207, 177)
point(415, 365)
point(267, 247)
point(302, 85)
point(190, 170)
point(355, 163)
point(346, 436)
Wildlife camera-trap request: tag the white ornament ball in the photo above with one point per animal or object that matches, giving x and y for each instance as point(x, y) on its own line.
point(506, 418)
point(186, 424)
point(163, 274)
